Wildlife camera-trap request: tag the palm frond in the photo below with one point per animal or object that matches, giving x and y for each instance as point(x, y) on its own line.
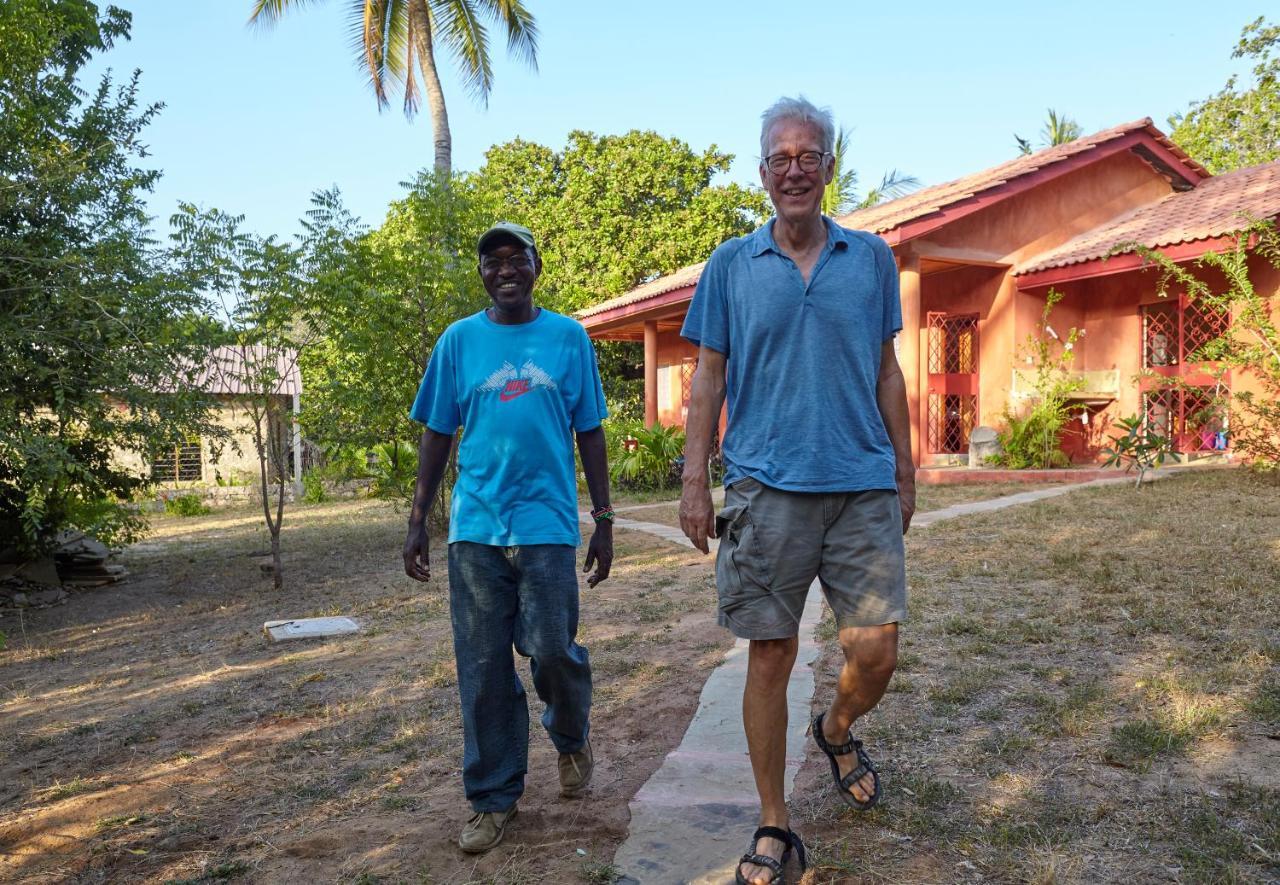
point(893, 184)
point(839, 195)
point(522, 30)
point(1060, 130)
point(458, 26)
point(1024, 145)
point(267, 12)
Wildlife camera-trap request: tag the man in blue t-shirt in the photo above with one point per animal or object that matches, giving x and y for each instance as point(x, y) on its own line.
point(522, 382)
point(794, 325)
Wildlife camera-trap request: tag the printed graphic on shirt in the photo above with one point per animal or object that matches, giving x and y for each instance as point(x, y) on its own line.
point(512, 383)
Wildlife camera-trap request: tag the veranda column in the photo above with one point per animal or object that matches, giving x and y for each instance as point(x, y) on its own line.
point(650, 373)
point(911, 353)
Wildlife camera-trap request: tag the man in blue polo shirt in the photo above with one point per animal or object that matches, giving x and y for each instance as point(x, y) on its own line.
point(523, 383)
point(794, 324)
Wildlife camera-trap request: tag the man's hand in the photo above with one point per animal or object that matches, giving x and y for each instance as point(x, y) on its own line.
point(417, 558)
point(907, 499)
point(599, 553)
point(697, 516)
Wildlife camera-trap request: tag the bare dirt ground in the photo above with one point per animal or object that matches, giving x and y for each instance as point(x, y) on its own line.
point(1088, 691)
point(152, 734)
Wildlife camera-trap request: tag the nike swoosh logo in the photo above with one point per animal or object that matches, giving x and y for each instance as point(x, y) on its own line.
point(507, 396)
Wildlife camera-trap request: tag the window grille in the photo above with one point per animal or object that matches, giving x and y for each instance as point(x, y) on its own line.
point(182, 463)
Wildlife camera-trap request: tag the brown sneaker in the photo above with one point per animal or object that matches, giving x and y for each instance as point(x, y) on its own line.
point(485, 830)
point(575, 771)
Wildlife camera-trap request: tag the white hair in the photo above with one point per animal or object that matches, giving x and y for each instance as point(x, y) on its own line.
point(803, 111)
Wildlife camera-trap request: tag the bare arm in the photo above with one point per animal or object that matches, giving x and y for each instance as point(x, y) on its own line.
point(595, 464)
point(433, 455)
point(891, 398)
point(706, 398)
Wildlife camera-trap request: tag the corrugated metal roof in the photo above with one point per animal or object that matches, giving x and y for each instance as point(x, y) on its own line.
point(1215, 207)
point(235, 369)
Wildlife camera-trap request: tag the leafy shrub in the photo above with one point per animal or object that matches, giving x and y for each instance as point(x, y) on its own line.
point(648, 457)
point(1032, 441)
point(186, 505)
point(1136, 448)
point(313, 490)
point(393, 469)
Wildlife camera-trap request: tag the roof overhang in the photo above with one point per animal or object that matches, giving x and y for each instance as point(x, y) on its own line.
point(1140, 142)
point(1122, 263)
point(626, 322)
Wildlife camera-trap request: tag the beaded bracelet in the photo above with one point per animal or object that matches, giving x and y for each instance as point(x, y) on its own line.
point(603, 513)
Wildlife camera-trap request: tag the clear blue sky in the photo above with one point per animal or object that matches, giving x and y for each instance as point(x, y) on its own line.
point(254, 121)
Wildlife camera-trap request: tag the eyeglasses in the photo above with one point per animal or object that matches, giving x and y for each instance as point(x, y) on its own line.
point(809, 161)
point(515, 262)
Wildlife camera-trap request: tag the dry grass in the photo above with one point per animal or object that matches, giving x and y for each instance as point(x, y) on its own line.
point(1088, 693)
point(153, 735)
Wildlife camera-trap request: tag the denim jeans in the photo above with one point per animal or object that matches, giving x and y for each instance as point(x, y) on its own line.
point(526, 597)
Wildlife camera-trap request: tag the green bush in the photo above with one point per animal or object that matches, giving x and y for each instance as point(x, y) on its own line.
point(1032, 441)
point(394, 470)
point(647, 457)
point(186, 505)
point(313, 490)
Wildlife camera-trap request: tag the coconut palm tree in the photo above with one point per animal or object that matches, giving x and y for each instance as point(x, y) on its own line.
point(1057, 130)
point(392, 37)
point(841, 195)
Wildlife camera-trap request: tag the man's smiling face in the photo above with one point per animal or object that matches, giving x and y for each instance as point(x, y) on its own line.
point(508, 271)
point(796, 194)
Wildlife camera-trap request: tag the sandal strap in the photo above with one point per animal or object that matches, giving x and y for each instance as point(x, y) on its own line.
point(854, 776)
point(852, 745)
point(783, 836)
point(763, 860)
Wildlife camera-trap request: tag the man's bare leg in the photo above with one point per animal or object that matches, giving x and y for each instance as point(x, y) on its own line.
point(764, 717)
point(870, 656)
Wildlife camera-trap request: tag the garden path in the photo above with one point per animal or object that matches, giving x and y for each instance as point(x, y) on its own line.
point(693, 817)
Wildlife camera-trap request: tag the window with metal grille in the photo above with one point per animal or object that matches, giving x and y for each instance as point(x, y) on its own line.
point(1174, 331)
point(953, 375)
point(1189, 417)
point(182, 463)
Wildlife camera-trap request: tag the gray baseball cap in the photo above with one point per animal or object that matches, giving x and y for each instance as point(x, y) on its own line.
point(506, 229)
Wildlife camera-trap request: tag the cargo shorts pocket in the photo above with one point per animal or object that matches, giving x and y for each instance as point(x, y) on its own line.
point(742, 572)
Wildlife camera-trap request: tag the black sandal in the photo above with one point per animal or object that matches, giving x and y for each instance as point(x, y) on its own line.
point(865, 766)
point(774, 865)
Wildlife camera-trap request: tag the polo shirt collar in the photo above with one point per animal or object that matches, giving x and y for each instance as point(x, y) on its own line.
point(762, 239)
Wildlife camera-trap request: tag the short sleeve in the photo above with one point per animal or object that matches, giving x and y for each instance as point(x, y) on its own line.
point(590, 409)
point(891, 316)
point(437, 402)
point(706, 324)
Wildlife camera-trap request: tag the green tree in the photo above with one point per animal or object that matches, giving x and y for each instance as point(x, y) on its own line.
point(1240, 125)
point(378, 301)
point(1057, 130)
point(98, 342)
point(841, 195)
point(257, 283)
point(610, 212)
point(392, 37)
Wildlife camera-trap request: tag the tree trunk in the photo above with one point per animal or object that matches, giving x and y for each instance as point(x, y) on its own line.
point(420, 18)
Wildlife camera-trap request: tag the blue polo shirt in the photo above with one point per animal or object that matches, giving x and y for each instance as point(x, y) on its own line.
point(802, 361)
point(520, 392)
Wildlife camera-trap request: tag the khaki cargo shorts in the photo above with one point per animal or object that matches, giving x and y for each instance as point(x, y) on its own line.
point(774, 543)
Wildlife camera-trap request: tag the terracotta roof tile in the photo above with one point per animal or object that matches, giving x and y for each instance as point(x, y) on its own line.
point(1217, 206)
point(686, 276)
point(929, 200)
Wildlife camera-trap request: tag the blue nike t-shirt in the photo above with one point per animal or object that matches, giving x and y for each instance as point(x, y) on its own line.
point(519, 393)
